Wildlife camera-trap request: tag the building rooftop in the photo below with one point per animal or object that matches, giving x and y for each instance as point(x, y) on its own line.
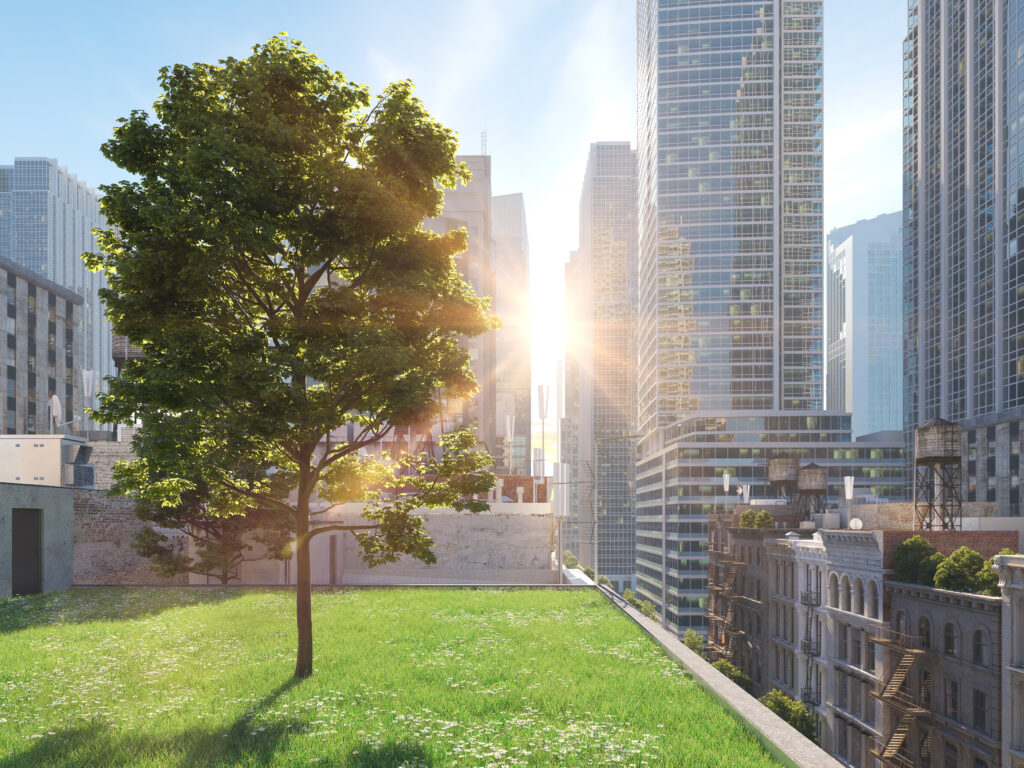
point(411, 677)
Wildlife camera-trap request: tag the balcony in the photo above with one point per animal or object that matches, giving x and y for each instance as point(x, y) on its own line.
point(810, 696)
point(810, 646)
point(809, 597)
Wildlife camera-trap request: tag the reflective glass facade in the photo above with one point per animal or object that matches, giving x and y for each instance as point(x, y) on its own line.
point(730, 164)
point(46, 220)
point(730, 276)
point(512, 345)
point(601, 366)
point(863, 324)
point(963, 195)
point(680, 485)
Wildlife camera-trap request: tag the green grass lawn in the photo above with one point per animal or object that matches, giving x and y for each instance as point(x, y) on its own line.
point(415, 678)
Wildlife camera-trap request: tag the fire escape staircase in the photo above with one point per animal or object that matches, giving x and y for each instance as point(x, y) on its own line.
point(810, 648)
point(904, 708)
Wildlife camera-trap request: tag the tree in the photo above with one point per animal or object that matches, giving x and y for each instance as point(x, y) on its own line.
point(959, 571)
point(734, 673)
point(751, 519)
point(915, 560)
point(694, 642)
point(269, 261)
point(648, 609)
point(220, 542)
point(792, 711)
point(570, 560)
point(986, 581)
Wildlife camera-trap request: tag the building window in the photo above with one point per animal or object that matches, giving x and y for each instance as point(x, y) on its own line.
point(978, 655)
point(840, 737)
point(949, 640)
point(924, 632)
point(952, 756)
point(980, 710)
point(952, 699)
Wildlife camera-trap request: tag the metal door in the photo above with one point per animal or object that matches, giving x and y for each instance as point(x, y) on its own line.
point(27, 551)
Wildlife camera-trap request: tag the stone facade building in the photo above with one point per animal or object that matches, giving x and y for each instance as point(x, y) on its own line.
point(814, 612)
point(941, 686)
point(1011, 582)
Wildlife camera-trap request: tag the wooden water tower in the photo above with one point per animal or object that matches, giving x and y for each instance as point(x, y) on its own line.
point(938, 498)
point(783, 474)
point(813, 487)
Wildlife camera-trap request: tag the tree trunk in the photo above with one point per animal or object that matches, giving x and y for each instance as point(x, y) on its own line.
point(303, 607)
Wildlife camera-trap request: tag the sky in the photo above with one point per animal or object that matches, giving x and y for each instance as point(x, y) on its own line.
point(542, 78)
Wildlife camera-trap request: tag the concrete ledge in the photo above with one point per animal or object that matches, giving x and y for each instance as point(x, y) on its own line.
point(336, 588)
point(779, 738)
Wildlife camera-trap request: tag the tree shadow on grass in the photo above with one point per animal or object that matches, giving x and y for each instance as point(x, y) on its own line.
point(85, 604)
point(98, 744)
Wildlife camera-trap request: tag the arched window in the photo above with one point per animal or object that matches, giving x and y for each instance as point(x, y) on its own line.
point(844, 593)
point(978, 647)
point(901, 623)
point(873, 600)
point(833, 590)
point(924, 632)
point(949, 639)
point(858, 597)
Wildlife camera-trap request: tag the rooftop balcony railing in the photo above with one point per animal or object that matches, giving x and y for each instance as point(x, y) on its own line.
point(810, 597)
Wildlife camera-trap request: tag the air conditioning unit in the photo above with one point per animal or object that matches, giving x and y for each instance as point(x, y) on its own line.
point(79, 476)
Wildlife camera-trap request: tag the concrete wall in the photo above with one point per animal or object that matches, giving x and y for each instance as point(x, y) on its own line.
point(509, 544)
point(900, 515)
point(56, 504)
point(104, 530)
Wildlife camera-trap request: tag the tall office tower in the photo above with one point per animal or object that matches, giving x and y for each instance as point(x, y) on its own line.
point(963, 209)
point(469, 207)
point(512, 343)
point(578, 479)
point(863, 324)
point(730, 257)
point(41, 350)
point(601, 365)
point(46, 220)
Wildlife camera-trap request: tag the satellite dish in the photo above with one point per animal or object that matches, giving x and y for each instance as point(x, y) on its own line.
point(856, 524)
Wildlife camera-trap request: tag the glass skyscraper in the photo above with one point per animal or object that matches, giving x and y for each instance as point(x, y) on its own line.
point(46, 220)
point(963, 208)
point(513, 394)
point(599, 446)
point(863, 324)
point(730, 260)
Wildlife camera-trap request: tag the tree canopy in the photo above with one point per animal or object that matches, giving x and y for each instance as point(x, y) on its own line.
point(792, 711)
point(268, 258)
point(915, 560)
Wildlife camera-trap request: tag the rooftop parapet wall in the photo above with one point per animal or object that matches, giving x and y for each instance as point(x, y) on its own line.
point(900, 515)
point(985, 543)
point(510, 543)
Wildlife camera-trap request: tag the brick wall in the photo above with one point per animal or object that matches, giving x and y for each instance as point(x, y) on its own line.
point(985, 543)
point(105, 528)
point(106, 453)
point(509, 483)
